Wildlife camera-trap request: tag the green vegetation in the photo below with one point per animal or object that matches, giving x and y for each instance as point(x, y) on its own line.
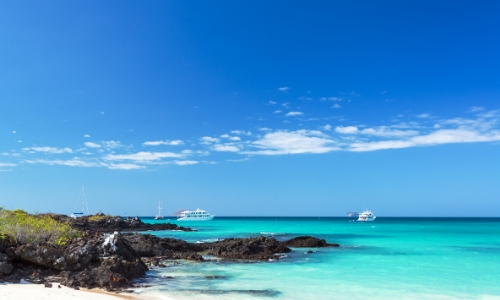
point(26, 228)
point(98, 217)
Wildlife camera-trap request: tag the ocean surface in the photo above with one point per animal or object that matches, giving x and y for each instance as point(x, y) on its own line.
point(391, 258)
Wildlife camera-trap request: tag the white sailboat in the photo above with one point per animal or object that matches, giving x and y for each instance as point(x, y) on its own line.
point(81, 206)
point(159, 216)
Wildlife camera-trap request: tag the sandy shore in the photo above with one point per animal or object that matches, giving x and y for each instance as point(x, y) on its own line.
point(23, 291)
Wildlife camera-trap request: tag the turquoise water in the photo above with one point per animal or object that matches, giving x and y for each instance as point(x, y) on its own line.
point(391, 258)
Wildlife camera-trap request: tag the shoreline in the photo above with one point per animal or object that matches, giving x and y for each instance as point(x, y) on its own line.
point(26, 290)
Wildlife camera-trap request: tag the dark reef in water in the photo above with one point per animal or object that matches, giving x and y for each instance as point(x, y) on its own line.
point(105, 223)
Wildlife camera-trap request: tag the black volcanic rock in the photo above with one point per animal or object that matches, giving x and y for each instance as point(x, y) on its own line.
point(261, 248)
point(94, 260)
point(111, 224)
point(307, 242)
point(147, 245)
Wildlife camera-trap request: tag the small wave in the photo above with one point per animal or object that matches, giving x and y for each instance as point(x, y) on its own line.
point(272, 233)
point(208, 241)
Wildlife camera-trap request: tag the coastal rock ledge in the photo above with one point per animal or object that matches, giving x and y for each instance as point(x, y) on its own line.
point(92, 260)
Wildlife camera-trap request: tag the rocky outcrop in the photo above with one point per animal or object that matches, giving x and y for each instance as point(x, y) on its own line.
point(261, 248)
point(93, 260)
point(146, 245)
point(307, 242)
point(111, 224)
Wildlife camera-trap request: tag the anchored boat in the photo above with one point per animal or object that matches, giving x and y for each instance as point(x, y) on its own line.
point(366, 216)
point(195, 215)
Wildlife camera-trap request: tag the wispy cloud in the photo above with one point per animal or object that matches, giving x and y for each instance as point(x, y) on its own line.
point(208, 140)
point(475, 109)
point(86, 136)
point(346, 129)
point(143, 156)
point(232, 138)
point(271, 102)
point(283, 89)
point(74, 162)
point(225, 148)
point(447, 136)
point(239, 160)
point(241, 132)
point(276, 111)
point(294, 113)
point(186, 162)
point(124, 167)
point(336, 105)
point(6, 165)
point(292, 142)
point(423, 116)
point(91, 145)
point(111, 144)
point(51, 150)
point(168, 143)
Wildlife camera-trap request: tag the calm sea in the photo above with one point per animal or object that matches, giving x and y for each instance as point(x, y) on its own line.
point(391, 258)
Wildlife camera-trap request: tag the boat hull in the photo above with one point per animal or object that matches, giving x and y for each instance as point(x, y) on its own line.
point(195, 219)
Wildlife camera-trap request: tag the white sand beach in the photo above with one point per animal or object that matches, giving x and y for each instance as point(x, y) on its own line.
point(25, 290)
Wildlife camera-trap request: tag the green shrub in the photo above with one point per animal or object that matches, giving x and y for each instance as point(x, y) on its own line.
point(26, 228)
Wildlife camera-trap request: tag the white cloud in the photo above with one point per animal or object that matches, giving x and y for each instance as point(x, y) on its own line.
point(91, 145)
point(292, 142)
point(86, 136)
point(232, 138)
point(143, 156)
point(384, 131)
point(19, 141)
point(277, 111)
point(102, 113)
point(241, 132)
point(4, 165)
point(265, 129)
point(336, 105)
point(111, 144)
point(423, 116)
point(475, 109)
point(225, 148)
point(74, 162)
point(51, 150)
point(346, 129)
point(272, 102)
point(294, 113)
point(239, 160)
point(283, 89)
point(327, 127)
point(335, 99)
point(124, 166)
point(444, 136)
point(168, 143)
point(14, 132)
point(185, 162)
point(208, 140)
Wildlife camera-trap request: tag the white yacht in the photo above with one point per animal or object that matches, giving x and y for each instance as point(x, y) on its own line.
point(81, 206)
point(195, 215)
point(159, 216)
point(366, 216)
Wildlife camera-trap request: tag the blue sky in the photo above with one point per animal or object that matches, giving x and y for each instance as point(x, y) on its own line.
point(278, 108)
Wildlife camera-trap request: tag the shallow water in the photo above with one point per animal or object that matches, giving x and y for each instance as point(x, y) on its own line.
point(391, 258)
